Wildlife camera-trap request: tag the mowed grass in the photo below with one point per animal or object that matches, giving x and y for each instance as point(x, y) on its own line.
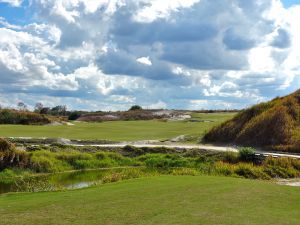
point(159, 200)
point(118, 130)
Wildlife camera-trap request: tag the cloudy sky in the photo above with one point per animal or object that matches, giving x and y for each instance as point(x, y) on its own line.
point(111, 54)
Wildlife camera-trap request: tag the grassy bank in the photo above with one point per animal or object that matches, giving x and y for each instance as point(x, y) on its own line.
point(119, 130)
point(60, 158)
point(159, 200)
point(273, 125)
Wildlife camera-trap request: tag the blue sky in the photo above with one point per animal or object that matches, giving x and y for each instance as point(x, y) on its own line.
point(184, 54)
point(288, 3)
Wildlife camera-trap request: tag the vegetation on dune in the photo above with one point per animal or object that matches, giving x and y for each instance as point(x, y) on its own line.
point(274, 125)
point(9, 116)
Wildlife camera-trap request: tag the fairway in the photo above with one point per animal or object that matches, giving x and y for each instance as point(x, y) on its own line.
point(159, 200)
point(119, 130)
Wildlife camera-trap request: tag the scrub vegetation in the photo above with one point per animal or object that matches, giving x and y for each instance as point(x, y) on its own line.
point(9, 116)
point(60, 158)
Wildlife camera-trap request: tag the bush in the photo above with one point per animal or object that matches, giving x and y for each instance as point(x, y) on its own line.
point(43, 164)
point(247, 154)
point(135, 107)
point(5, 145)
point(282, 167)
point(165, 161)
point(184, 172)
point(11, 157)
point(231, 157)
point(8, 116)
point(250, 171)
point(224, 169)
point(133, 151)
point(74, 115)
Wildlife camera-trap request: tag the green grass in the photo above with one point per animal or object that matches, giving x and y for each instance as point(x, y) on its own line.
point(117, 130)
point(159, 200)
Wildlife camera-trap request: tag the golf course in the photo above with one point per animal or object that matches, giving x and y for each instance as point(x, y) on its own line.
point(149, 112)
point(159, 200)
point(120, 130)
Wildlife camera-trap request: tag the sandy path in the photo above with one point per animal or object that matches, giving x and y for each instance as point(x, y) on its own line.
point(202, 147)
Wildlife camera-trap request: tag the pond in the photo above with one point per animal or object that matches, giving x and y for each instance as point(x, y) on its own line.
point(59, 181)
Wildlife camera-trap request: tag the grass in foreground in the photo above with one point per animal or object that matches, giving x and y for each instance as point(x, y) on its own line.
point(119, 130)
point(159, 200)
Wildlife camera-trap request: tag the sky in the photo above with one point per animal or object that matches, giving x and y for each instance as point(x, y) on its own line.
point(176, 54)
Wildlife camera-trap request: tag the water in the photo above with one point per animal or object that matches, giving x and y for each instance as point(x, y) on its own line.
point(57, 181)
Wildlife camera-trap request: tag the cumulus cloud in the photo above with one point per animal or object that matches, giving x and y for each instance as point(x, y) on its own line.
point(144, 60)
point(15, 3)
point(156, 9)
point(167, 54)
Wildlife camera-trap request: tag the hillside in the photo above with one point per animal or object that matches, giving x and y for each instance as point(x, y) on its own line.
point(274, 125)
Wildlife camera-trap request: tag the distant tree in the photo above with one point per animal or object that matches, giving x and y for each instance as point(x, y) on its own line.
point(135, 107)
point(45, 110)
point(38, 107)
point(59, 110)
point(74, 115)
point(22, 106)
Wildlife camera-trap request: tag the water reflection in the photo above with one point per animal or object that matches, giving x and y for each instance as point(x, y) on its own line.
point(57, 181)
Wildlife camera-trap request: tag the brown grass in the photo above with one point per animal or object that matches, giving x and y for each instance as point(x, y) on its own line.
point(274, 124)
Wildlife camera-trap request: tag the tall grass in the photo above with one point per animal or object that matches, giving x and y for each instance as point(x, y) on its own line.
point(58, 159)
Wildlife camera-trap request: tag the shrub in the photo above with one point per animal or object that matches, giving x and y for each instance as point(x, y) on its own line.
point(165, 161)
point(132, 150)
point(8, 116)
point(282, 167)
point(250, 171)
point(43, 164)
point(135, 107)
point(247, 154)
point(5, 145)
point(184, 171)
point(11, 157)
point(74, 115)
point(231, 157)
point(224, 169)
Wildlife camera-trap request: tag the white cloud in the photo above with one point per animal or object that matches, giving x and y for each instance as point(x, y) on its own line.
point(144, 60)
point(157, 105)
point(15, 3)
point(260, 59)
point(171, 53)
point(205, 104)
point(157, 9)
